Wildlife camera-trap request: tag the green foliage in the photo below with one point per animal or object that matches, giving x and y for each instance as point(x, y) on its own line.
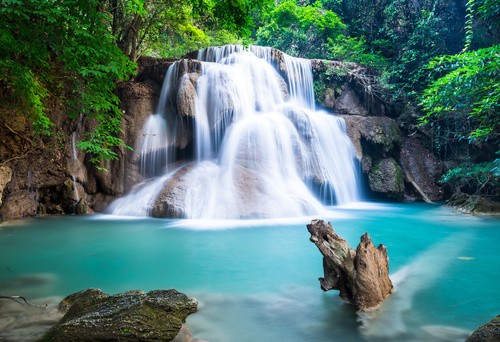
point(352, 49)
point(62, 49)
point(304, 31)
point(173, 28)
point(468, 91)
point(481, 179)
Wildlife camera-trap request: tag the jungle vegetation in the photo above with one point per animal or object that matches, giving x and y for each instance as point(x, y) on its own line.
point(439, 57)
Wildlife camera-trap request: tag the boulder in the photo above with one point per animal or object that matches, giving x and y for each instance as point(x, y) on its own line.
point(490, 332)
point(349, 102)
point(171, 200)
point(361, 275)
point(372, 134)
point(130, 316)
point(19, 205)
point(386, 177)
point(422, 169)
point(186, 95)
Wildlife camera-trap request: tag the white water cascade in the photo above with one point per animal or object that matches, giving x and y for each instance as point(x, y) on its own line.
point(260, 149)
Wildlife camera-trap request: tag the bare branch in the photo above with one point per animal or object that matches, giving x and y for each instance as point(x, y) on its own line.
point(26, 303)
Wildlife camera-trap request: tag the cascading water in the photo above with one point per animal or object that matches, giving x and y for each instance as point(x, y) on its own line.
point(260, 147)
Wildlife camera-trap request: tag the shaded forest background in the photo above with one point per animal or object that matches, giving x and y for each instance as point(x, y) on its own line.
point(438, 61)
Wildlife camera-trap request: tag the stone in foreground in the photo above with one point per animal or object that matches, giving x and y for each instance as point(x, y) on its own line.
point(361, 275)
point(130, 316)
point(490, 332)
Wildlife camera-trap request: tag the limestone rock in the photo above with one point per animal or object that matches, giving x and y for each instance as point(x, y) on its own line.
point(130, 316)
point(186, 96)
point(349, 102)
point(490, 332)
point(361, 275)
point(18, 206)
point(386, 177)
point(171, 200)
point(372, 134)
point(5, 177)
point(422, 168)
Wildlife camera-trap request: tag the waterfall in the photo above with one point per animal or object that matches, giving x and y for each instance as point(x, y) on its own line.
point(260, 149)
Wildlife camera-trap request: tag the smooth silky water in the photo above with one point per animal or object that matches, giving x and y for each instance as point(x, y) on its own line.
point(257, 280)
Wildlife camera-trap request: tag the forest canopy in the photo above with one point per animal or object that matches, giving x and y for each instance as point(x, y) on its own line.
point(440, 57)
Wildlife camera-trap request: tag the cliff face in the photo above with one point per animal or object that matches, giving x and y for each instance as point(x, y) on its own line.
point(394, 164)
point(48, 175)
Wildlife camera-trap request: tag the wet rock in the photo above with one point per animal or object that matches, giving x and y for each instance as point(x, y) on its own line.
point(186, 95)
point(171, 200)
point(152, 70)
point(490, 332)
point(386, 177)
point(361, 275)
point(5, 177)
point(349, 102)
point(130, 316)
point(372, 134)
point(422, 169)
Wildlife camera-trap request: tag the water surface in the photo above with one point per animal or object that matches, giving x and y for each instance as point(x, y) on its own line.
point(257, 280)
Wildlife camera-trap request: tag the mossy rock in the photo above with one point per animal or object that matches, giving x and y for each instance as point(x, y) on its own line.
point(490, 332)
point(386, 177)
point(130, 316)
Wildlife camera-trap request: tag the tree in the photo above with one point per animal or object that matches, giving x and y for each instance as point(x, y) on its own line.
point(172, 28)
point(465, 96)
point(62, 49)
point(303, 31)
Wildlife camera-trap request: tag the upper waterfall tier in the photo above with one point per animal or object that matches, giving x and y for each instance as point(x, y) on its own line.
point(259, 147)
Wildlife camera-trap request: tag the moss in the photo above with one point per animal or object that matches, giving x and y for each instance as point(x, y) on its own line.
point(387, 177)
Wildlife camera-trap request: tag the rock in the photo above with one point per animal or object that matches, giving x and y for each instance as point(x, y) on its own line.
point(130, 316)
point(422, 169)
point(18, 206)
point(386, 177)
point(171, 200)
point(473, 204)
point(349, 103)
point(246, 202)
point(5, 177)
point(361, 275)
point(372, 135)
point(186, 95)
point(490, 332)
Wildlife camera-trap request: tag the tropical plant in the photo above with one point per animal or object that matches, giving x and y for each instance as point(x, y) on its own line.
point(302, 31)
point(62, 49)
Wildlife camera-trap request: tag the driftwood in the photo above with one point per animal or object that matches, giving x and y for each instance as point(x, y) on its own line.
point(361, 275)
point(26, 302)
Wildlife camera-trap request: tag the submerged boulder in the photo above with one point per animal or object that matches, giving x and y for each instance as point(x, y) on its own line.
point(361, 275)
point(130, 316)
